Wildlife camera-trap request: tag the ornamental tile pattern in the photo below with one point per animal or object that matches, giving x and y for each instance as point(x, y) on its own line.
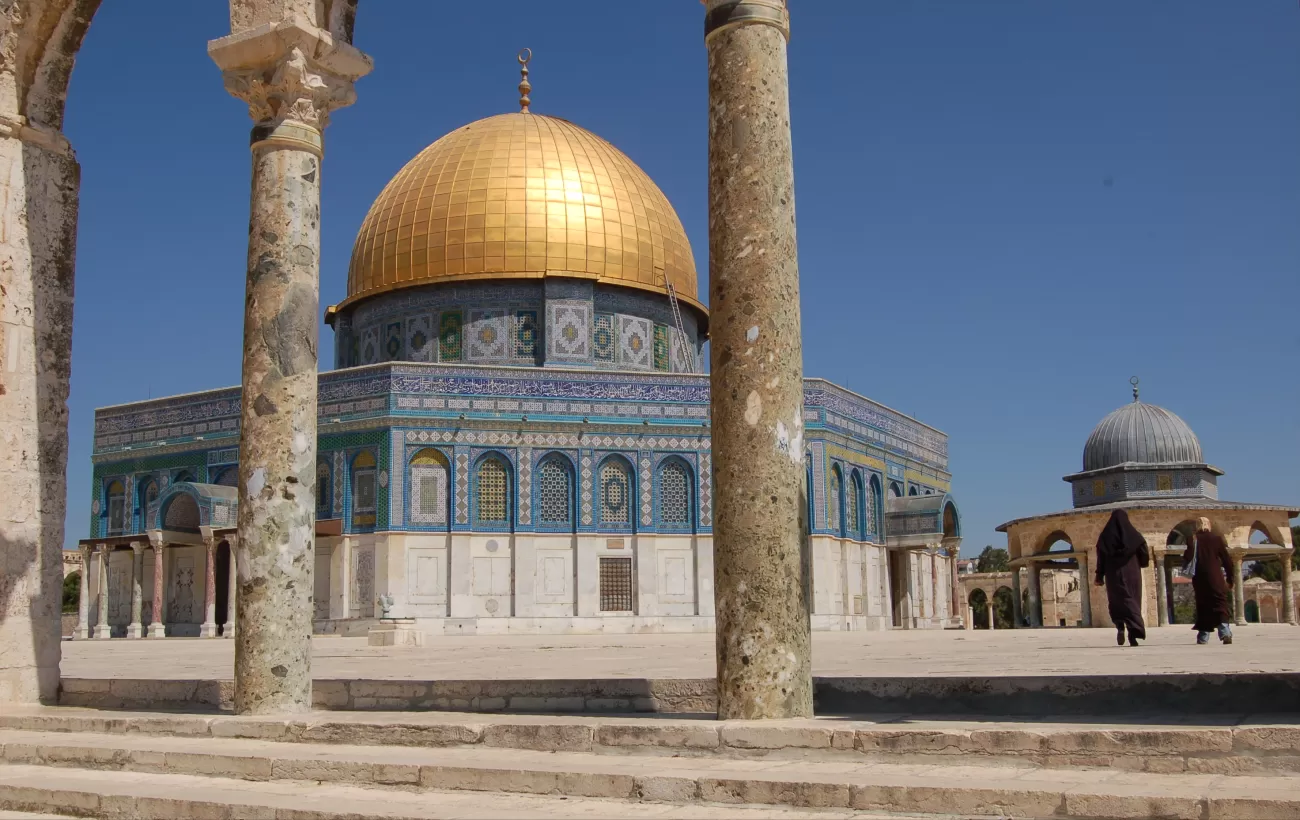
point(681, 353)
point(568, 330)
point(397, 479)
point(450, 327)
point(634, 342)
point(647, 491)
point(662, 362)
point(525, 468)
point(462, 487)
point(603, 343)
point(488, 334)
point(392, 341)
point(585, 476)
point(370, 345)
point(705, 479)
point(419, 338)
point(526, 334)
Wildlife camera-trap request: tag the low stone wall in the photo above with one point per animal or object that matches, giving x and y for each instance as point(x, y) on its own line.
point(1013, 696)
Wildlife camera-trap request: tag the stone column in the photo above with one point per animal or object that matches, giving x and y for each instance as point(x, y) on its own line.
point(232, 581)
point(970, 617)
point(1162, 600)
point(209, 627)
point(292, 74)
point(135, 629)
point(1085, 592)
point(763, 638)
point(992, 620)
point(1035, 595)
point(1016, 608)
point(1238, 592)
point(341, 580)
point(102, 630)
point(83, 598)
point(1288, 614)
point(156, 628)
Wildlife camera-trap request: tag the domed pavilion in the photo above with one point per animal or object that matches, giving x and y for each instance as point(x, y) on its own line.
point(1145, 459)
point(516, 435)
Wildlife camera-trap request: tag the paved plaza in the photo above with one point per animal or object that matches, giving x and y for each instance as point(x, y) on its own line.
point(1258, 648)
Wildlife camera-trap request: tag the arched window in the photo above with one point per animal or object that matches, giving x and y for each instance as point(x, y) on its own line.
point(116, 504)
point(493, 492)
point(675, 494)
point(183, 475)
point(912, 490)
point(429, 496)
point(324, 503)
point(853, 508)
point(615, 489)
point(836, 499)
point(363, 489)
point(555, 492)
point(148, 498)
point(228, 477)
point(873, 507)
point(895, 491)
point(182, 514)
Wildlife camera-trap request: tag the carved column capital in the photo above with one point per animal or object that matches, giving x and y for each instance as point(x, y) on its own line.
point(138, 547)
point(291, 74)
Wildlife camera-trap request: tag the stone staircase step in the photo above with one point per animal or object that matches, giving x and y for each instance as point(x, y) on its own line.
point(957, 788)
point(28, 790)
point(1256, 746)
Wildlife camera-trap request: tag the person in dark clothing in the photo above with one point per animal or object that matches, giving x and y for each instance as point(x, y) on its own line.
point(1208, 563)
point(1121, 554)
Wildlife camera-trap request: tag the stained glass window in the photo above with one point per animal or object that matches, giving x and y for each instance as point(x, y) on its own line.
point(833, 508)
point(492, 492)
point(554, 490)
point(363, 490)
point(851, 518)
point(322, 490)
point(116, 508)
point(615, 493)
point(429, 488)
point(674, 494)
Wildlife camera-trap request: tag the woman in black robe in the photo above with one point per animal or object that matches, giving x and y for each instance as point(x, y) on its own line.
point(1121, 554)
point(1210, 566)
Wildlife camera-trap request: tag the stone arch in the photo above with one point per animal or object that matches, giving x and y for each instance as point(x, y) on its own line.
point(1047, 543)
point(616, 494)
point(1266, 534)
point(1003, 607)
point(181, 513)
point(979, 604)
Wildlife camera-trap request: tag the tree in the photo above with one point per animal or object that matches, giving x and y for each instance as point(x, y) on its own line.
point(993, 559)
point(72, 592)
point(1271, 570)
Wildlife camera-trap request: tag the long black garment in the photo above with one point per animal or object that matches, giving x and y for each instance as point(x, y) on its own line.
point(1211, 581)
point(1121, 554)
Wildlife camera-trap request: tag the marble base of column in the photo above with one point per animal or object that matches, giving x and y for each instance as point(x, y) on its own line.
point(763, 636)
point(135, 629)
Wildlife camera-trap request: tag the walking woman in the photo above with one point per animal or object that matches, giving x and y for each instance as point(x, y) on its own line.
point(1121, 554)
point(1207, 562)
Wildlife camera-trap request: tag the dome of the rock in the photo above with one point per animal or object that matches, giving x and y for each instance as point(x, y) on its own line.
point(1141, 433)
point(521, 196)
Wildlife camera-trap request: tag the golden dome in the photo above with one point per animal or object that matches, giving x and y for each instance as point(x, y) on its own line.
point(521, 196)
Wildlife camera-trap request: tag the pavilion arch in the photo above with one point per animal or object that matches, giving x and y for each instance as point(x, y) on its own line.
point(180, 512)
point(895, 490)
point(1270, 534)
point(978, 600)
point(1048, 542)
point(951, 520)
point(1004, 607)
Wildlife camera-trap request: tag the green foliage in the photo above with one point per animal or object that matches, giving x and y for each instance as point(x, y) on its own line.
point(1184, 613)
point(71, 592)
point(993, 559)
point(1271, 570)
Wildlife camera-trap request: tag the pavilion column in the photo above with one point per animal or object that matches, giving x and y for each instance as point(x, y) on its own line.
point(1016, 609)
point(992, 620)
point(1162, 599)
point(763, 638)
point(292, 74)
point(970, 616)
point(1238, 592)
point(209, 627)
point(156, 628)
point(83, 597)
point(232, 581)
point(1288, 614)
point(1085, 592)
point(102, 630)
point(1035, 594)
point(39, 185)
point(1167, 580)
point(135, 629)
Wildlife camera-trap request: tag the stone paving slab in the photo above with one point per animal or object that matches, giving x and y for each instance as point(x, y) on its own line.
point(143, 796)
point(959, 789)
point(912, 653)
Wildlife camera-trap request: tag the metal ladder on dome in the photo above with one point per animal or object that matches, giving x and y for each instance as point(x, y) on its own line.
point(677, 319)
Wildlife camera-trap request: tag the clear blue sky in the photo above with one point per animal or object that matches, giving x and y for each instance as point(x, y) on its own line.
point(1005, 209)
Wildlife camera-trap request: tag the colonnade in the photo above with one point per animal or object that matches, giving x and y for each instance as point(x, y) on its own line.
point(292, 61)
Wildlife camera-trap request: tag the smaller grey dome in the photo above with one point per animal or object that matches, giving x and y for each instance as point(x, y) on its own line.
point(1143, 434)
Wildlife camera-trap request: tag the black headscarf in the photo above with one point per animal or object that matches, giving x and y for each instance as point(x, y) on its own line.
point(1120, 540)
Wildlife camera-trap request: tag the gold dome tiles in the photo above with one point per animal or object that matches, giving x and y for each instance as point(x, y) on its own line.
point(521, 196)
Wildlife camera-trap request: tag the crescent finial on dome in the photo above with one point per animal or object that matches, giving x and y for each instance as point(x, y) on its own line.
point(525, 56)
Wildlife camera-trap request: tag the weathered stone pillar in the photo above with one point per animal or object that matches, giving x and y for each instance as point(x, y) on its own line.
point(232, 582)
point(992, 620)
point(156, 627)
point(763, 638)
point(1016, 613)
point(1168, 580)
point(341, 580)
point(1035, 594)
point(135, 629)
point(39, 182)
point(291, 73)
point(1162, 600)
point(209, 627)
point(83, 598)
point(1085, 592)
point(970, 617)
point(1238, 592)
point(102, 630)
point(1288, 614)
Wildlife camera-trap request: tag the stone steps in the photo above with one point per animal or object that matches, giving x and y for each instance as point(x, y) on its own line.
point(31, 791)
point(1258, 746)
point(663, 776)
